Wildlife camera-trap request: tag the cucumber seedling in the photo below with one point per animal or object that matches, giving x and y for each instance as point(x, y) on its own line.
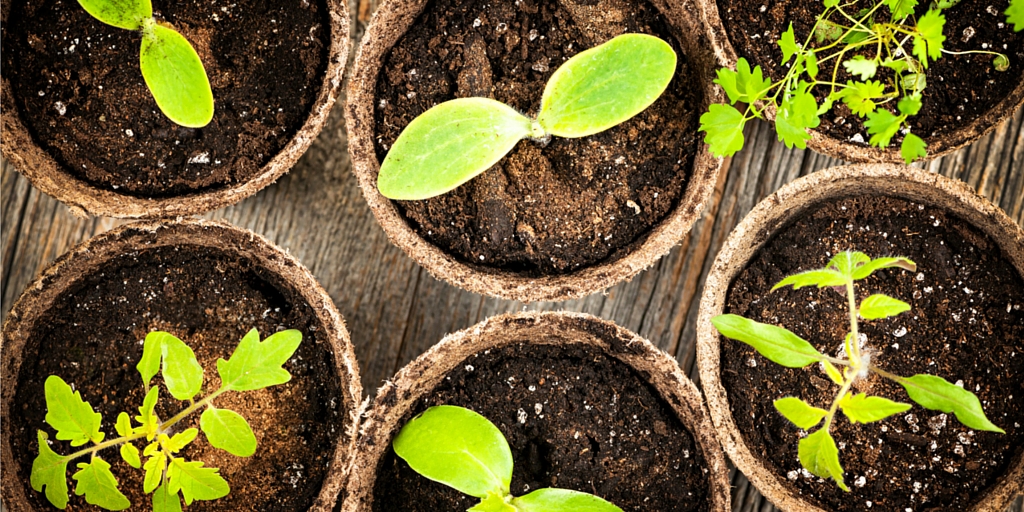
point(253, 365)
point(885, 45)
point(454, 141)
point(817, 451)
point(464, 450)
point(170, 66)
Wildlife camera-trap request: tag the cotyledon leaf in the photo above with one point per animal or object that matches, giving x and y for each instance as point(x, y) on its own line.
point(776, 343)
point(228, 430)
point(126, 14)
point(562, 500)
point(175, 76)
point(938, 394)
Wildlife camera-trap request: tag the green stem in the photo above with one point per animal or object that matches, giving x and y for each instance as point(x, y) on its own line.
point(854, 349)
point(104, 445)
point(847, 384)
point(192, 408)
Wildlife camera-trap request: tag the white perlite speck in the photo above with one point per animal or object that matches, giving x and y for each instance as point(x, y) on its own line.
point(201, 158)
point(521, 416)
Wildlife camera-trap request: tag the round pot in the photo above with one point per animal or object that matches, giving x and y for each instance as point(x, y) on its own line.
point(843, 149)
point(463, 361)
point(906, 344)
point(238, 127)
point(474, 272)
point(208, 283)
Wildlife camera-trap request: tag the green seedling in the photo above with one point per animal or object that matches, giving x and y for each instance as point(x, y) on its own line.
point(454, 141)
point(171, 67)
point(818, 452)
point(884, 45)
point(253, 365)
point(463, 450)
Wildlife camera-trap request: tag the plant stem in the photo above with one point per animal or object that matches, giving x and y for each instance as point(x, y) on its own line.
point(105, 444)
point(854, 349)
point(190, 409)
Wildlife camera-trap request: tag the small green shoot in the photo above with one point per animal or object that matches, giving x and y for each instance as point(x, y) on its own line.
point(463, 450)
point(455, 141)
point(253, 365)
point(818, 452)
point(170, 65)
point(885, 45)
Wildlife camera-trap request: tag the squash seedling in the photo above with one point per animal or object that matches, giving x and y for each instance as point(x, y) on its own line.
point(817, 451)
point(885, 45)
point(253, 365)
point(464, 450)
point(170, 66)
point(454, 141)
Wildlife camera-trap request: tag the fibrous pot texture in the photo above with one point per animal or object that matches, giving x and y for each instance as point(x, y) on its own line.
point(207, 283)
point(81, 125)
point(965, 325)
point(548, 222)
point(645, 439)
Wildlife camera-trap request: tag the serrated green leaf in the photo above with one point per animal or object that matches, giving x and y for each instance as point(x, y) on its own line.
point(901, 8)
point(459, 448)
point(827, 31)
point(798, 113)
point(799, 412)
point(833, 373)
point(788, 44)
point(180, 440)
point(154, 469)
point(882, 125)
point(494, 502)
point(881, 306)
point(847, 262)
point(562, 500)
point(819, 455)
point(126, 14)
point(228, 431)
point(73, 418)
point(50, 470)
point(255, 364)
point(123, 425)
point(99, 486)
point(860, 96)
point(175, 76)
point(1015, 14)
point(752, 84)
point(182, 373)
point(913, 147)
point(606, 85)
point(147, 418)
point(727, 80)
point(928, 36)
point(130, 454)
point(909, 105)
point(866, 409)
point(938, 394)
point(195, 481)
point(164, 501)
point(820, 278)
point(865, 68)
point(870, 267)
point(723, 128)
point(776, 343)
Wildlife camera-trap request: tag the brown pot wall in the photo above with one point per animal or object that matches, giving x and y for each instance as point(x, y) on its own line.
point(421, 376)
point(776, 211)
point(83, 198)
point(84, 259)
point(390, 22)
point(852, 152)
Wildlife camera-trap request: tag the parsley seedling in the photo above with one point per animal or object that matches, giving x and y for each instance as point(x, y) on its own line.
point(253, 365)
point(864, 42)
point(454, 141)
point(463, 450)
point(170, 66)
point(818, 452)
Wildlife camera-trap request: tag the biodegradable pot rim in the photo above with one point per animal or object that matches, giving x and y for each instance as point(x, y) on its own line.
point(87, 256)
point(84, 198)
point(422, 375)
point(852, 152)
point(773, 213)
point(390, 23)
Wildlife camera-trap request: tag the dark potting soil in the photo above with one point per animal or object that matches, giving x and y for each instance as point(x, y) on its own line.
point(81, 94)
point(551, 209)
point(575, 419)
point(966, 325)
point(960, 89)
point(92, 338)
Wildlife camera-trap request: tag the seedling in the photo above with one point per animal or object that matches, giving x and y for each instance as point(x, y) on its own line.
point(253, 365)
point(171, 67)
point(888, 53)
point(463, 450)
point(817, 451)
point(454, 141)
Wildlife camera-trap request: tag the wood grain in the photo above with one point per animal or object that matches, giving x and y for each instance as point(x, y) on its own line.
point(396, 310)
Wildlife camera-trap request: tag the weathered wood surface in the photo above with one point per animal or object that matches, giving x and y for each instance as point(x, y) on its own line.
point(396, 310)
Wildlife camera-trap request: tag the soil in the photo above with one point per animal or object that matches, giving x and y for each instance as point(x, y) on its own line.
point(960, 89)
point(966, 325)
point(575, 419)
point(209, 299)
point(81, 94)
point(543, 209)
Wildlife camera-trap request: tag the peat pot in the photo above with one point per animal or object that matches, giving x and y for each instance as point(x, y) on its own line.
point(207, 283)
point(966, 325)
point(80, 124)
point(547, 222)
